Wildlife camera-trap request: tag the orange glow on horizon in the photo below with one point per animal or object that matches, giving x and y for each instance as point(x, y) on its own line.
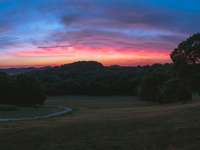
point(107, 56)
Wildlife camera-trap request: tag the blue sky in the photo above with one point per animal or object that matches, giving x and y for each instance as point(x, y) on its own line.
point(50, 32)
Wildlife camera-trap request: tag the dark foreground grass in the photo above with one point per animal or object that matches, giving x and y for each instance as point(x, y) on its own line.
point(99, 125)
point(16, 112)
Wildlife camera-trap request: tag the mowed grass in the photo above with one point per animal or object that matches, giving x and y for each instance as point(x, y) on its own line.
point(108, 123)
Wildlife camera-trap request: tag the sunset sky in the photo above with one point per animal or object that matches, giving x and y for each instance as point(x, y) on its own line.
point(123, 32)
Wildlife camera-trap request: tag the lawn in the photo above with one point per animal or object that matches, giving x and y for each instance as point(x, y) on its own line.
point(107, 123)
point(17, 112)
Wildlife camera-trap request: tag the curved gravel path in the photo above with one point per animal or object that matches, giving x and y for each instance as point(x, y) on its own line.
point(55, 114)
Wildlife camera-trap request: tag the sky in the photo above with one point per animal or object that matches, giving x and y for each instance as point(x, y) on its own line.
point(113, 32)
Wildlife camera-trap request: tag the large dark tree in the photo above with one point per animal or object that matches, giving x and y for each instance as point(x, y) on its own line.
point(186, 58)
point(188, 51)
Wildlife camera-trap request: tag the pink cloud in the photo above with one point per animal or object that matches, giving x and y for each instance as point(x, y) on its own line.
point(47, 52)
point(107, 56)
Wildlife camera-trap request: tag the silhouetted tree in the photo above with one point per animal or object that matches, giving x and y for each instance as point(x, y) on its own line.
point(188, 51)
point(186, 58)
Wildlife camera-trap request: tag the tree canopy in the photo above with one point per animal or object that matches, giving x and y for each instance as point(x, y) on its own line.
point(188, 51)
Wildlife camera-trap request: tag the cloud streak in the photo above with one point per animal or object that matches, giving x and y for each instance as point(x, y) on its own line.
point(66, 30)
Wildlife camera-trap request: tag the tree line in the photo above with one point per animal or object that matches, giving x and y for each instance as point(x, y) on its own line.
point(163, 83)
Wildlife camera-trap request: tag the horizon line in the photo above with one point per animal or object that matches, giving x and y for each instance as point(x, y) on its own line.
point(59, 65)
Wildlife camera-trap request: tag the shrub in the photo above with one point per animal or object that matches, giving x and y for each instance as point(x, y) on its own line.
point(157, 87)
point(175, 90)
point(150, 89)
point(20, 90)
point(5, 87)
point(28, 91)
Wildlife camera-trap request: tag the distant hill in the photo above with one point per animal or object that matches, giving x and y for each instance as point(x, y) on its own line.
point(83, 67)
point(14, 71)
point(76, 66)
point(87, 69)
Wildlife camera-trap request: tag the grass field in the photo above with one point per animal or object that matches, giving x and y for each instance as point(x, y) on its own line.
point(26, 112)
point(108, 123)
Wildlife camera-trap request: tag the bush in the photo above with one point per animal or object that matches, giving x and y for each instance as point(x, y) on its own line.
point(5, 87)
point(20, 90)
point(29, 91)
point(150, 89)
point(157, 87)
point(174, 90)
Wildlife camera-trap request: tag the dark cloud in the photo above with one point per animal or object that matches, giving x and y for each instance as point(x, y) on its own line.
point(54, 46)
point(119, 41)
point(69, 19)
point(131, 17)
